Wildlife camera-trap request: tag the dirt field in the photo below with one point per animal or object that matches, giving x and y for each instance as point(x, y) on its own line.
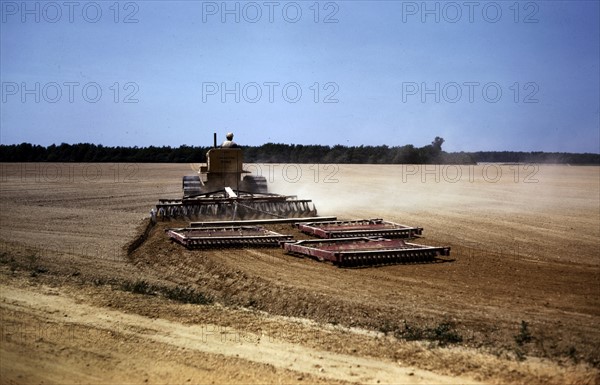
point(517, 302)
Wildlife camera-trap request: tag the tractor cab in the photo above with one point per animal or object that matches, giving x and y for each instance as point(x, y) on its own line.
point(224, 168)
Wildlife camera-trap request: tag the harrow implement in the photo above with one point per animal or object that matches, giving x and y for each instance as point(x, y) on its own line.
point(359, 228)
point(237, 236)
point(243, 205)
point(357, 252)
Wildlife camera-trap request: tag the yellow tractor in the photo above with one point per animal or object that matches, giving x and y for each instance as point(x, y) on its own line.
point(223, 189)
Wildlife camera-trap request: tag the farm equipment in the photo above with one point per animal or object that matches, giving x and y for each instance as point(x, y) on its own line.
point(368, 251)
point(226, 236)
point(359, 228)
point(235, 206)
point(223, 189)
point(357, 243)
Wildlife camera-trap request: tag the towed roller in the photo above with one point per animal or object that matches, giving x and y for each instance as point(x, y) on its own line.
point(226, 236)
point(359, 228)
point(364, 251)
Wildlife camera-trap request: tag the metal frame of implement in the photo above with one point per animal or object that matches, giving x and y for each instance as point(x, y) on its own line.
point(364, 251)
point(244, 222)
point(230, 236)
point(219, 204)
point(359, 228)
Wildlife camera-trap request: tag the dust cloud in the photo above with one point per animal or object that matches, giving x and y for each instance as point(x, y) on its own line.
point(444, 197)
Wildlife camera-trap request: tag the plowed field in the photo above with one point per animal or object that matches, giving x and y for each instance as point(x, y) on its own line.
point(516, 302)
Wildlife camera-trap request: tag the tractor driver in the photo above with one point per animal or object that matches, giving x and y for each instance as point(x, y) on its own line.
point(229, 143)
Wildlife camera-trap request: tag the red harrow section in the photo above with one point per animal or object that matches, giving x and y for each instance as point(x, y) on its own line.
point(359, 252)
point(232, 236)
point(359, 228)
point(381, 244)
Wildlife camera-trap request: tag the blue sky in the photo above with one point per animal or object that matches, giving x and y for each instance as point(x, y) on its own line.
point(502, 75)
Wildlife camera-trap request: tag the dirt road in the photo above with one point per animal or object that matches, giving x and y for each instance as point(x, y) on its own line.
point(207, 339)
point(518, 302)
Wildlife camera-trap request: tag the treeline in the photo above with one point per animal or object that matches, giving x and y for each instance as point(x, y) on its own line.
point(535, 157)
point(266, 153)
point(282, 153)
